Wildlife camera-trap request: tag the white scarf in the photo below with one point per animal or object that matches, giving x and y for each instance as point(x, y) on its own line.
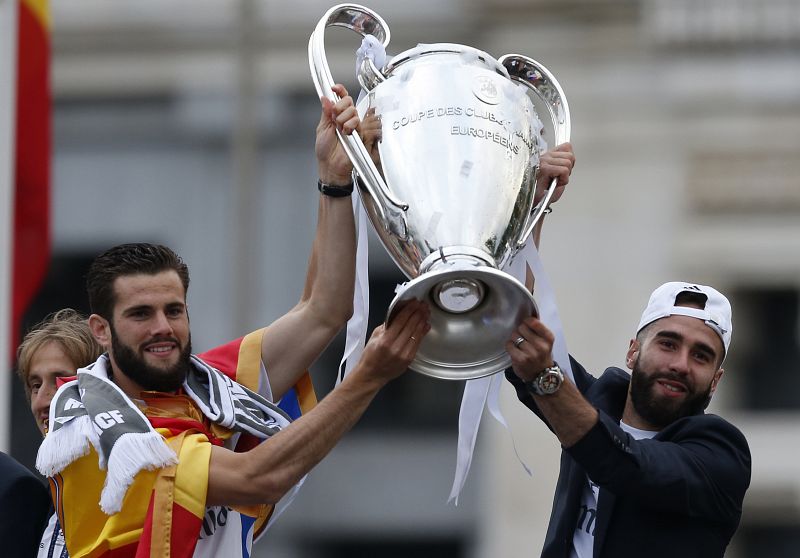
point(93, 411)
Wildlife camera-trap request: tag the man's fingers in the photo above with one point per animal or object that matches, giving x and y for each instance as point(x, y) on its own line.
point(558, 167)
point(537, 328)
point(404, 311)
point(415, 339)
point(341, 90)
point(410, 337)
point(565, 147)
point(516, 353)
point(530, 348)
point(350, 125)
point(406, 323)
point(558, 162)
point(533, 333)
point(564, 155)
point(370, 126)
point(340, 113)
point(347, 119)
point(415, 321)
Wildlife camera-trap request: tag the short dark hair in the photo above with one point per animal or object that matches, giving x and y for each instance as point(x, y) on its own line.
point(691, 299)
point(128, 259)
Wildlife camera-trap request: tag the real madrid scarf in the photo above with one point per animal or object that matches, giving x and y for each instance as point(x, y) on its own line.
point(92, 411)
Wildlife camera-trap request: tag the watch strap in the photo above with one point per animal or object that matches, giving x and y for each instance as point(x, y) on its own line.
point(335, 190)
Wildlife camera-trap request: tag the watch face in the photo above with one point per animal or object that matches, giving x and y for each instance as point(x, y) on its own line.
point(549, 382)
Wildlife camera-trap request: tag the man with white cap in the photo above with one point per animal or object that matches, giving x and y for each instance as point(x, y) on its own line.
point(644, 471)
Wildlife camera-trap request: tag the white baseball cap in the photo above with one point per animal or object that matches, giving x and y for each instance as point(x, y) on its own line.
point(716, 313)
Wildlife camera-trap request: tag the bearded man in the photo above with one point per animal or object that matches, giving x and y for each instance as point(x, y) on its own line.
point(644, 470)
point(155, 451)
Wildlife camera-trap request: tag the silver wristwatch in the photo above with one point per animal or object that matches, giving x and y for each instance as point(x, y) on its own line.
point(547, 382)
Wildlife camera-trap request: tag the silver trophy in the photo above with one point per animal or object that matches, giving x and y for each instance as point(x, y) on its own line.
point(450, 185)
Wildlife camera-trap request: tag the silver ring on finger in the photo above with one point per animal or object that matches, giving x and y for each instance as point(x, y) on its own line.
point(519, 341)
point(413, 338)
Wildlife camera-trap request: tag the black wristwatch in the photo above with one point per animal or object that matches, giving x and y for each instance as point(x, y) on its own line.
point(547, 382)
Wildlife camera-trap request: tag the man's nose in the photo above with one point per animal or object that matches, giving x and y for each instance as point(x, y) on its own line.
point(42, 398)
point(680, 362)
point(161, 324)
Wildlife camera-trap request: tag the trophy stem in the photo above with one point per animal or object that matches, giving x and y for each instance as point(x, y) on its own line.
point(457, 295)
point(475, 309)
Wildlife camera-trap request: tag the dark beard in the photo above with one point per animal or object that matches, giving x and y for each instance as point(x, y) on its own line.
point(662, 412)
point(149, 377)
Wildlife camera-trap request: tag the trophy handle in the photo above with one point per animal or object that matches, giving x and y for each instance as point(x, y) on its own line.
point(539, 79)
point(364, 22)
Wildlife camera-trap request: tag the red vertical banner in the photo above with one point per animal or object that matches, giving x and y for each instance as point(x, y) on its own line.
point(31, 236)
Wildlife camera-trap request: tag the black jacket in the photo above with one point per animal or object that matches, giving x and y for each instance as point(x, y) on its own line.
point(677, 494)
point(24, 509)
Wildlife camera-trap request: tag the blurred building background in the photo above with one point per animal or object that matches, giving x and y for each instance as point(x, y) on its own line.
point(191, 123)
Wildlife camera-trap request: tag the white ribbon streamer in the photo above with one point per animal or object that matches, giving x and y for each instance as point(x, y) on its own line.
point(479, 392)
point(357, 325)
point(494, 408)
point(469, 419)
point(548, 311)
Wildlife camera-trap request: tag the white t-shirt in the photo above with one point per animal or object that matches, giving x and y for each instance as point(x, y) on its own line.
point(583, 539)
point(225, 533)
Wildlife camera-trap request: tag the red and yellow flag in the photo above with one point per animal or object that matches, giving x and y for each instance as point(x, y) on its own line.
point(175, 512)
point(32, 165)
point(163, 510)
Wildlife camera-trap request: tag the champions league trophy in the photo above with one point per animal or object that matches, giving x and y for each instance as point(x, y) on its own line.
point(449, 188)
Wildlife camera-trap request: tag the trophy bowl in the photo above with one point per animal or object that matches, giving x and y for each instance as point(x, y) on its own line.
point(449, 183)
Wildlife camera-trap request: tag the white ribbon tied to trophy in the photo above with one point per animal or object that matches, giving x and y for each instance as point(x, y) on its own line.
point(373, 49)
point(486, 391)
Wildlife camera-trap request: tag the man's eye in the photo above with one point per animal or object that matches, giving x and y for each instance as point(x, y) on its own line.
point(702, 357)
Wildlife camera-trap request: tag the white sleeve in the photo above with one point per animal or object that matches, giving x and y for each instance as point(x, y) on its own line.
point(52, 545)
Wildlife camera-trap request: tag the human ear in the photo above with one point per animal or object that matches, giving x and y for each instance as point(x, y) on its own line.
point(633, 352)
point(101, 330)
point(715, 381)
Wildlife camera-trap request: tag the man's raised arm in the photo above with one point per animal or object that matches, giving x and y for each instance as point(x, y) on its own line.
point(294, 341)
point(265, 473)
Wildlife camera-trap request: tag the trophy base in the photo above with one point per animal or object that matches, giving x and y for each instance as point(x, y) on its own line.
point(474, 312)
